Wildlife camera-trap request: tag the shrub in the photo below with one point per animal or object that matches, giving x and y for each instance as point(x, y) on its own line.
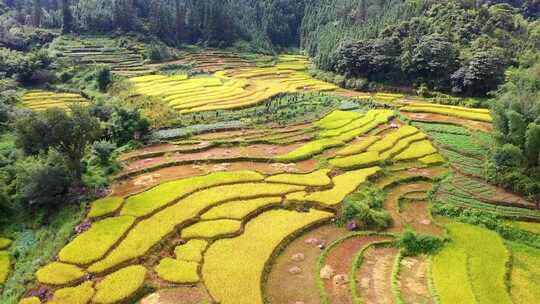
point(230, 284)
point(417, 244)
point(191, 251)
point(105, 206)
point(150, 231)
point(57, 273)
point(96, 241)
point(103, 150)
point(316, 178)
point(104, 77)
point(120, 285)
point(211, 229)
point(176, 271)
point(81, 294)
point(238, 210)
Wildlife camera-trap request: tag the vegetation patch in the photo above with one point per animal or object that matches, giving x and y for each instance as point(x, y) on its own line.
point(120, 285)
point(191, 251)
point(227, 282)
point(5, 243)
point(159, 196)
point(317, 178)
point(81, 294)
point(57, 273)
point(238, 210)
point(5, 266)
point(92, 245)
point(211, 229)
point(461, 112)
point(105, 206)
point(178, 271)
point(525, 286)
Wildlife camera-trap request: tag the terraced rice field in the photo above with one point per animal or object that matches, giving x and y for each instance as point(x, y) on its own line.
point(124, 58)
point(248, 211)
point(38, 100)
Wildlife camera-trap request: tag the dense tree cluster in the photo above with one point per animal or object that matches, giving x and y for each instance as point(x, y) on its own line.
point(450, 47)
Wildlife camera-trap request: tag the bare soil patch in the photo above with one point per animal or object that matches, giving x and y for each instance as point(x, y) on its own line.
point(340, 258)
point(413, 280)
point(283, 287)
point(184, 295)
point(375, 276)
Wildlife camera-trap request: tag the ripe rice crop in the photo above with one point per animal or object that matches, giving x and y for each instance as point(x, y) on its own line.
point(5, 265)
point(525, 286)
point(211, 229)
point(105, 206)
point(359, 147)
point(92, 245)
point(356, 161)
point(31, 300)
point(402, 144)
point(43, 100)
point(177, 271)
point(159, 196)
point(191, 251)
point(120, 285)
point(316, 178)
point(238, 210)
point(308, 150)
point(57, 273)
point(388, 141)
point(81, 294)
point(233, 268)
point(150, 231)
point(461, 112)
point(484, 267)
point(416, 150)
point(433, 159)
point(344, 185)
point(4, 243)
point(337, 119)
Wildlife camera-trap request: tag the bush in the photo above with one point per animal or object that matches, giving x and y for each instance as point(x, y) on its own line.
point(104, 77)
point(364, 209)
point(103, 150)
point(417, 244)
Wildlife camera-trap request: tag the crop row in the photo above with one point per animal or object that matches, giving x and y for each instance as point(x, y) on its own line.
point(461, 112)
point(43, 100)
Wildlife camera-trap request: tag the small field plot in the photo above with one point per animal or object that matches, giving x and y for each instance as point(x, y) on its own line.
point(475, 261)
point(455, 111)
point(42, 100)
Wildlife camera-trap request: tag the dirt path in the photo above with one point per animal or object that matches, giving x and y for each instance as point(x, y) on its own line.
point(340, 258)
point(413, 281)
point(375, 276)
point(284, 287)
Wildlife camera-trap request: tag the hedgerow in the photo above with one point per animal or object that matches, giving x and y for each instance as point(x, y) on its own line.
point(356, 161)
point(316, 178)
point(5, 265)
point(159, 196)
point(178, 271)
point(150, 231)
point(211, 229)
point(191, 251)
point(57, 273)
point(230, 284)
point(81, 294)
point(92, 245)
point(238, 210)
point(416, 150)
point(359, 147)
point(344, 184)
point(105, 206)
point(120, 285)
point(5, 243)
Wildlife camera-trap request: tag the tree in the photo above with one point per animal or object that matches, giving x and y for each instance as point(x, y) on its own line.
point(127, 125)
point(55, 129)
point(67, 17)
point(532, 145)
point(36, 13)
